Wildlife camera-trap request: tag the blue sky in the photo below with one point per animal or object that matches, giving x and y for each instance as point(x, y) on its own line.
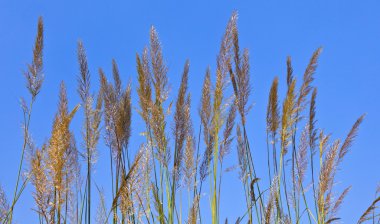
point(347, 78)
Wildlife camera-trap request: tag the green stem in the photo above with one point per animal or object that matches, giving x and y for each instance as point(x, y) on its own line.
point(26, 130)
point(253, 170)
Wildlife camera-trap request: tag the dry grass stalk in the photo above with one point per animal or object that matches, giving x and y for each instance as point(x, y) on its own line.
point(92, 118)
point(158, 205)
point(271, 205)
point(289, 73)
point(243, 163)
point(159, 69)
point(327, 209)
point(59, 163)
point(182, 126)
point(223, 61)
point(143, 195)
point(227, 133)
point(189, 168)
point(205, 114)
point(350, 138)
point(4, 205)
point(125, 190)
point(205, 109)
point(313, 140)
point(338, 203)
point(84, 77)
point(308, 79)
point(101, 212)
point(312, 121)
point(207, 158)
point(193, 213)
point(323, 140)
point(367, 215)
point(182, 123)
point(34, 75)
point(273, 122)
point(240, 80)
point(326, 180)
point(42, 195)
point(288, 117)
point(144, 90)
point(160, 83)
point(273, 116)
point(302, 160)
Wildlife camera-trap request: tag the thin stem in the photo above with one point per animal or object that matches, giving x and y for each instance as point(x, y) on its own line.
point(26, 130)
point(268, 160)
point(285, 189)
point(252, 169)
point(312, 179)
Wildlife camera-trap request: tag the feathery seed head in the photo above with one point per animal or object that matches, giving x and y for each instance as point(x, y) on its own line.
point(350, 138)
point(312, 121)
point(34, 74)
point(273, 117)
point(144, 88)
point(227, 134)
point(307, 80)
point(241, 150)
point(84, 77)
point(205, 108)
point(181, 120)
point(289, 73)
point(160, 80)
point(288, 116)
point(4, 206)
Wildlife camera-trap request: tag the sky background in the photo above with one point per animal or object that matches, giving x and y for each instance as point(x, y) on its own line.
point(347, 78)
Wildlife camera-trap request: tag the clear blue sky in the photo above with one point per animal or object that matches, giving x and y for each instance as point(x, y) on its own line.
point(348, 76)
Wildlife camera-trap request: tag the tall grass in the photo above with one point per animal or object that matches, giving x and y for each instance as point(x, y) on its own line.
point(162, 181)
